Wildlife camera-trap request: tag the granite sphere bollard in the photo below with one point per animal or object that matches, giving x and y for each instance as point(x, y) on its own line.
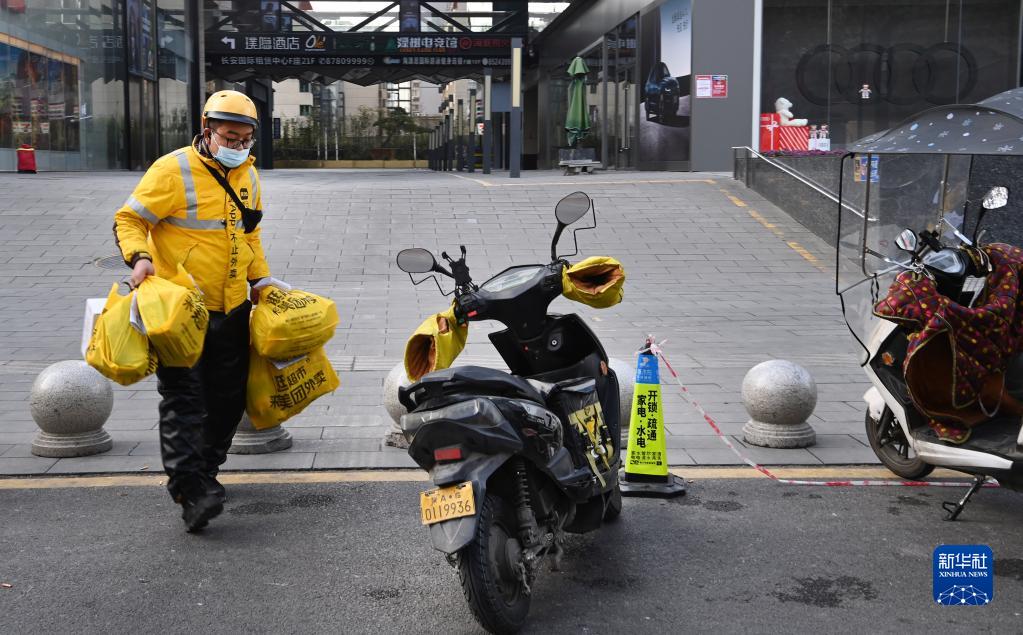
point(779, 396)
point(249, 440)
point(70, 401)
point(394, 380)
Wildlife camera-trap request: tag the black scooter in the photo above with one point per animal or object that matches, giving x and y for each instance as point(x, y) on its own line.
point(507, 452)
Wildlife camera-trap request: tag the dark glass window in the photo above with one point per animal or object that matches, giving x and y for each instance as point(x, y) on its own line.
point(863, 67)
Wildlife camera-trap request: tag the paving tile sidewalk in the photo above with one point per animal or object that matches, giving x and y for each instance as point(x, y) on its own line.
point(727, 277)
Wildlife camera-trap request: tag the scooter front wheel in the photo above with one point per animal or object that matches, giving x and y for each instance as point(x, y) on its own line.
point(889, 443)
point(488, 568)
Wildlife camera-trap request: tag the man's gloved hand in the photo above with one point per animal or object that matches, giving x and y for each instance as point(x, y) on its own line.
point(262, 283)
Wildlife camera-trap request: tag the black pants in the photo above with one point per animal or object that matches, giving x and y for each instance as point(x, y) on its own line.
point(202, 405)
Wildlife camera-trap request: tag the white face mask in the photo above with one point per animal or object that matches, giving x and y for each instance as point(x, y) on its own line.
point(231, 158)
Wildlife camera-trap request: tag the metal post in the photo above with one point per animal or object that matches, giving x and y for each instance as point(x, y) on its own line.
point(429, 154)
point(515, 125)
point(488, 125)
point(449, 152)
point(460, 134)
point(472, 130)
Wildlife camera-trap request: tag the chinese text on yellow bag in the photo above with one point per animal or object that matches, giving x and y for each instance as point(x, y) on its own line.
point(175, 318)
point(286, 324)
point(276, 393)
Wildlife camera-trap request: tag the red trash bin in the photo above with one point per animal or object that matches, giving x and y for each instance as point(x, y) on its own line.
point(26, 159)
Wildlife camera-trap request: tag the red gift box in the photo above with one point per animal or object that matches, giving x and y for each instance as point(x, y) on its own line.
point(769, 131)
point(794, 138)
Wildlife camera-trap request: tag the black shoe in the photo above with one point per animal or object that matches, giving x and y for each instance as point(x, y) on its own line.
point(214, 487)
point(197, 513)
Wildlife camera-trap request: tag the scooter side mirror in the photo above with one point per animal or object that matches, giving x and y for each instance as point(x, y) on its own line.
point(572, 208)
point(416, 260)
point(906, 241)
point(568, 210)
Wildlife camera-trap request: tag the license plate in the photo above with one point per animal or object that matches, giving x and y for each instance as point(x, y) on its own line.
point(445, 503)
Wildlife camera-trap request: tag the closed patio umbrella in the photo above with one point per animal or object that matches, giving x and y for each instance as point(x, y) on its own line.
point(577, 121)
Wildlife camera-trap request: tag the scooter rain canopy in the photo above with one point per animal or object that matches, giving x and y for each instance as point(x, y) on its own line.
point(993, 126)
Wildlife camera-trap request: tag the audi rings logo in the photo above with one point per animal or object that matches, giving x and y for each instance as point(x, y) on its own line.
point(901, 74)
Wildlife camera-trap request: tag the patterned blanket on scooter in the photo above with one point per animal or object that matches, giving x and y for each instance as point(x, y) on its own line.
point(957, 355)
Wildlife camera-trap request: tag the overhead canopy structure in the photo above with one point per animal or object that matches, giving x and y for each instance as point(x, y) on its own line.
point(403, 40)
point(993, 126)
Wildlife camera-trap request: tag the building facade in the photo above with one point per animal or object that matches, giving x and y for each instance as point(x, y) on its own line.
point(674, 84)
point(98, 84)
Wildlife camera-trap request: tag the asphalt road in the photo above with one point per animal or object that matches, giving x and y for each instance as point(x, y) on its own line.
point(731, 556)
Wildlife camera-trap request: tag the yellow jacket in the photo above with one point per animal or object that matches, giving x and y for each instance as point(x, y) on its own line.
point(178, 213)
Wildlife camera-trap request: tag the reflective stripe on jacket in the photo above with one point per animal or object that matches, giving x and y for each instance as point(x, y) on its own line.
point(178, 213)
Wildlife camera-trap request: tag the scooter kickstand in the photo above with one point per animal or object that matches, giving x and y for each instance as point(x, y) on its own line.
point(954, 509)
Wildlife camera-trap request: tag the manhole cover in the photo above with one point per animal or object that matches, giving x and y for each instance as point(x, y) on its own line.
point(109, 262)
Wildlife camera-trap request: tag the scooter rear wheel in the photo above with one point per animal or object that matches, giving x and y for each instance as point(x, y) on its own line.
point(614, 504)
point(889, 443)
point(486, 568)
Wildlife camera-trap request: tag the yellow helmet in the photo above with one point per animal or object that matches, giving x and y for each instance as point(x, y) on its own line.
point(230, 105)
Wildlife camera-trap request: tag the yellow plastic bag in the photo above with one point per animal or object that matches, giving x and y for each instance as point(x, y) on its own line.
point(435, 344)
point(116, 349)
point(596, 281)
point(287, 324)
point(175, 318)
point(277, 392)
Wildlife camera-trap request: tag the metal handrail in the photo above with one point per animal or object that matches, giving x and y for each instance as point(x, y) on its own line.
point(796, 175)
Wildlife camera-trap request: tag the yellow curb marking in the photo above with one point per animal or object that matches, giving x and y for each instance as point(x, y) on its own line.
point(793, 245)
point(228, 478)
point(808, 472)
point(735, 199)
point(401, 476)
point(766, 223)
point(799, 249)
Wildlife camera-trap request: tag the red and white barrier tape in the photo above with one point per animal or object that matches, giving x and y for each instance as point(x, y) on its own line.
point(687, 396)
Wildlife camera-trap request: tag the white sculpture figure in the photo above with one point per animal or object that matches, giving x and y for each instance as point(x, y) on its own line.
point(781, 106)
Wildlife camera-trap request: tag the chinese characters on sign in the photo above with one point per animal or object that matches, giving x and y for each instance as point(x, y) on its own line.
point(239, 49)
point(647, 452)
point(712, 86)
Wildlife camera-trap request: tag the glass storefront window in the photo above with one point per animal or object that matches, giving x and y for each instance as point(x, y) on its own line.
point(594, 59)
point(174, 61)
point(6, 98)
point(859, 68)
point(557, 97)
point(61, 90)
point(62, 80)
point(622, 99)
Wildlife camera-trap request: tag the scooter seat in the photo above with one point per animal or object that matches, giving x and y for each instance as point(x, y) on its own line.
point(467, 380)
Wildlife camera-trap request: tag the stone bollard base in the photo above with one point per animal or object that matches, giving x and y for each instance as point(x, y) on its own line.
point(248, 440)
point(59, 446)
point(772, 435)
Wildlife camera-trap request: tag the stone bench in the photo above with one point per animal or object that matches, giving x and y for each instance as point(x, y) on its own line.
point(573, 166)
